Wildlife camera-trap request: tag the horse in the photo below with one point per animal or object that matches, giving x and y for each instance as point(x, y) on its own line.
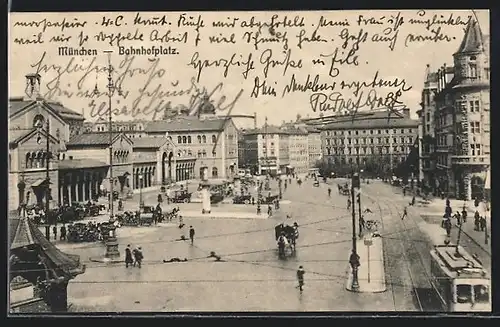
point(285, 243)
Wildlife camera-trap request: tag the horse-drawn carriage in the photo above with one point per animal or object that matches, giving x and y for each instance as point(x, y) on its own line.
point(147, 215)
point(269, 199)
point(80, 232)
point(128, 218)
point(344, 189)
point(286, 236)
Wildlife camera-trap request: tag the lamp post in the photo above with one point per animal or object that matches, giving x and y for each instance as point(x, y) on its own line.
point(140, 191)
point(47, 173)
point(112, 88)
point(354, 260)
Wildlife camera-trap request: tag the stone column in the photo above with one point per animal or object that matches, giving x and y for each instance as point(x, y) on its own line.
point(468, 186)
point(84, 188)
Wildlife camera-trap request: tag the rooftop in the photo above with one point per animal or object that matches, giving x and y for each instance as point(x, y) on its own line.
point(473, 38)
point(269, 129)
point(186, 124)
point(149, 142)
point(94, 138)
point(371, 121)
point(81, 163)
point(16, 104)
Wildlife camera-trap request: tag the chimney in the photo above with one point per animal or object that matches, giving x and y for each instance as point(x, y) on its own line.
point(33, 86)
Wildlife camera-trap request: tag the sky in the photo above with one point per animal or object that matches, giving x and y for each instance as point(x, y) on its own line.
point(150, 82)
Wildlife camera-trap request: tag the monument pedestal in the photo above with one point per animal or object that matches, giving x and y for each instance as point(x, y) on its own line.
point(205, 199)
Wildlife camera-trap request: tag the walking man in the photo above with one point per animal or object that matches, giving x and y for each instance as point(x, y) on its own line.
point(405, 214)
point(138, 256)
point(300, 278)
point(191, 234)
point(348, 204)
point(128, 256)
point(329, 192)
point(54, 231)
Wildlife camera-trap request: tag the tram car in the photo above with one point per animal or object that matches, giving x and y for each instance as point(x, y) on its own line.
point(461, 281)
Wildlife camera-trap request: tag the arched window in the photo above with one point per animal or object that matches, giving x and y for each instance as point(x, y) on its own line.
point(214, 172)
point(179, 139)
point(39, 158)
point(179, 153)
point(184, 139)
point(199, 138)
point(38, 121)
point(214, 138)
point(189, 139)
point(28, 160)
point(199, 153)
point(204, 139)
point(190, 153)
point(204, 153)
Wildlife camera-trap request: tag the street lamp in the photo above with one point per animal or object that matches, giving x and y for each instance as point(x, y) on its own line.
point(140, 191)
point(354, 258)
point(39, 126)
point(112, 88)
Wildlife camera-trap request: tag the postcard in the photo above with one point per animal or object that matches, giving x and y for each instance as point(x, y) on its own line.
point(249, 161)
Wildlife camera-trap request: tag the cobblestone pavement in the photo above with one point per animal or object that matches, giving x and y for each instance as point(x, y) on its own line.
point(250, 276)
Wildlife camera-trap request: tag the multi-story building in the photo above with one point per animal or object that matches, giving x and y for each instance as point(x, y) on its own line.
point(427, 136)
point(461, 121)
point(211, 141)
point(267, 150)
point(372, 141)
point(314, 145)
point(298, 148)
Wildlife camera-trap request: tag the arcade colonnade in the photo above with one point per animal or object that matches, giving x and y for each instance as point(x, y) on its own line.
point(147, 174)
point(80, 185)
point(184, 170)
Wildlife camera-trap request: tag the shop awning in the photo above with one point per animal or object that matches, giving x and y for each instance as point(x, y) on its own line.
point(39, 182)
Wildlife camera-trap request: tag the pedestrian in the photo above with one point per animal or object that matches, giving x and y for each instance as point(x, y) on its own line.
point(191, 234)
point(404, 191)
point(348, 204)
point(300, 277)
point(63, 233)
point(258, 209)
point(253, 201)
point(464, 214)
point(447, 226)
point(482, 223)
point(269, 210)
point(405, 213)
point(476, 202)
point(329, 192)
point(54, 231)
point(129, 260)
point(138, 256)
point(476, 221)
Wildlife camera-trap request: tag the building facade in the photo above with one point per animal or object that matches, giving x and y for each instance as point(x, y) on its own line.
point(210, 141)
point(462, 118)
point(427, 134)
point(266, 150)
point(28, 135)
point(313, 145)
point(298, 148)
point(372, 141)
point(96, 146)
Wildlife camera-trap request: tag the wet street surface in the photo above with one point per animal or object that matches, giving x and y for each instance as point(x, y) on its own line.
point(250, 276)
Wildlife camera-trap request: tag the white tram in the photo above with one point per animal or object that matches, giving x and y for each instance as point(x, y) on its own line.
point(461, 280)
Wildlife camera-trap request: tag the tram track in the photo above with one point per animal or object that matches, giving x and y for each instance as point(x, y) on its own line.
point(408, 246)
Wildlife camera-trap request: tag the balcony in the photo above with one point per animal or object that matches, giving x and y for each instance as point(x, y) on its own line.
point(470, 160)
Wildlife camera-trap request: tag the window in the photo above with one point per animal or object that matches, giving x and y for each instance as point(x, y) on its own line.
point(272, 152)
point(394, 140)
point(189, 139)
point(348, 141)
point(179, 139)
point(356, 141)
point(199, 138)
point(204, 154)
point(379, 140)
point(215, 173)
point(379, 131)
point(348, 132)
point(410, 139)
point(464, 293)
point(402, 140)
point(386, 131)
point(371, 131)
point(387, 140)
point(481, 294)
point(473, 70)
point(214, 153)
point(199, 153)
point(410, 131)
point(204, 139)
point(356, 132)
point(402, 131)
point(214, 138)
point(475, 127)
point(184, 140)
